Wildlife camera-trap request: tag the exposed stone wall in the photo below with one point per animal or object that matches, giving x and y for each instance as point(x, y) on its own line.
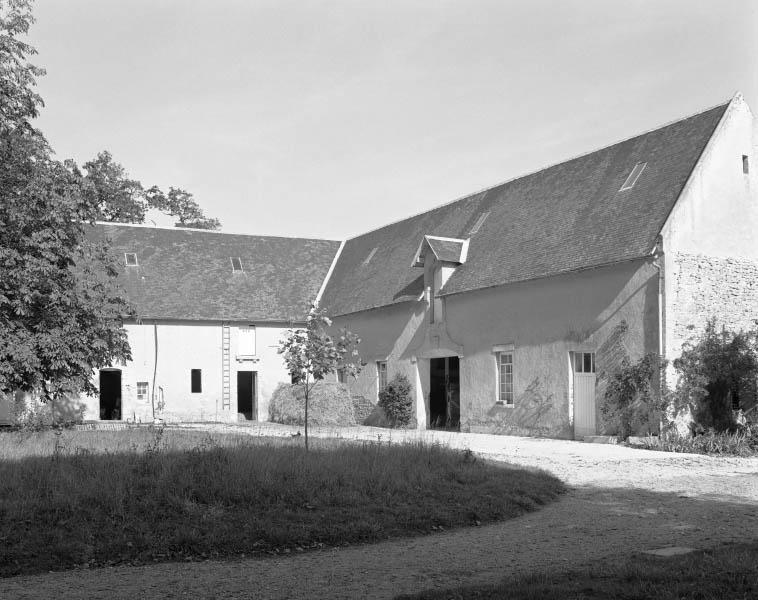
point(707, 286)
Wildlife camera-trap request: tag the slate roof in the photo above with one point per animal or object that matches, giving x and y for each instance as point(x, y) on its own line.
point(563, 218)
point(187, 274)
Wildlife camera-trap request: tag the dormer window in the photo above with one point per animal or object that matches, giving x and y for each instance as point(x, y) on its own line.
point(130, 258)
point(236, 264)
point(633, 176)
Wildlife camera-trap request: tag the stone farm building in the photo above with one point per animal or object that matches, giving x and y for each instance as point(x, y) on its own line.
point(506, 309)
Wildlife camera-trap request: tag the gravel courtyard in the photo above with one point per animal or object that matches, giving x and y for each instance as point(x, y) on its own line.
point(622, 501)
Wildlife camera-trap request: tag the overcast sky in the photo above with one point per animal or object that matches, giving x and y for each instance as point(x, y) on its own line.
point(328, 119)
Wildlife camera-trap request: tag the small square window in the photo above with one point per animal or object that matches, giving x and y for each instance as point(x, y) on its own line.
point(236, 264)
point(583, 362)
point(142, 391)
point(745, 164)
point(197, 381)
point(130, 258)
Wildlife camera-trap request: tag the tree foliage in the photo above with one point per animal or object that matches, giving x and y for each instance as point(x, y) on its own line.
point(124, 200)
point(396, 402)
point(634, 402)
point(717, 369)
point(60, 313)
point(311, 354)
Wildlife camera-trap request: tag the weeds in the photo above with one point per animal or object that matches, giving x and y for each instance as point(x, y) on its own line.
point(740, 443)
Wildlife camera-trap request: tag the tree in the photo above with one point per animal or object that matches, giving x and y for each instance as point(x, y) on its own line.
point(118, 198)
point(311, 354)
point(61, 315)
point(180, 203)
point(717, 370)
point(125, 200)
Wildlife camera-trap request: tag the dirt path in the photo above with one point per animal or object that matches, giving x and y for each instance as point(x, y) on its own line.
point(623, 501)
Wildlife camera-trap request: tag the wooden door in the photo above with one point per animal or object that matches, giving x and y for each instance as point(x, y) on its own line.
point(585, 409)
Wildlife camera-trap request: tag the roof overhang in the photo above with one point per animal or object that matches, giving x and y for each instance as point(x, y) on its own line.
point(444, 249)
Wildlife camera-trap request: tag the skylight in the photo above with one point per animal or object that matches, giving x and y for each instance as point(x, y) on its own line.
point(633, 176)
point(236, 264)
point(130, 258)
point(370, 256)
point(479, 222)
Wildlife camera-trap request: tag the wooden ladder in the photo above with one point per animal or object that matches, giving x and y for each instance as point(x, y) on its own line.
point(226, 374)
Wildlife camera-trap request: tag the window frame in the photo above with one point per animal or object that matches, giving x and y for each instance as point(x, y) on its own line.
point(234, 268)
point(633, 176)
point(252, 333)
point(143, 396)
point(381, 373)
point(502, 393)
point(196, 385)
point(579, 360)
point(126, 259)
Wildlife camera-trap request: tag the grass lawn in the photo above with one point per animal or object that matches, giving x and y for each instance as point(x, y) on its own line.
point(724, 572)
point(89, 498)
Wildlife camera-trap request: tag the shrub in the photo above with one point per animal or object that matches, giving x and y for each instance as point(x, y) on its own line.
point(395, 400)
point(330, 405)
point(717, 370)
point(740, 443)
point(633, 402)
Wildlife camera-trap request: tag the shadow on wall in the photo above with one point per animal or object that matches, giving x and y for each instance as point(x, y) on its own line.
point(534, 414)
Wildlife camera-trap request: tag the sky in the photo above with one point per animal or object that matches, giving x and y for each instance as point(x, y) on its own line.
point(328, 119)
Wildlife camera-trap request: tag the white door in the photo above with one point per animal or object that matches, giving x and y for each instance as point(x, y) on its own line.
point(583, 367)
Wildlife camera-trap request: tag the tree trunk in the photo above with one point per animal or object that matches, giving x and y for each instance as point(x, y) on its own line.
point(306, 415)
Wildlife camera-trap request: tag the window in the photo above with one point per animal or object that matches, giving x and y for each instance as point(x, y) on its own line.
point(246, 341)
point(633, 176)
point(505, 378)
point(130, 258)
point(197, 381)
point(236, 264)
point(745, 164)
point(583, 362)
point(381, 373)
point(341, 376)
point(370, 256)
point(142, 391)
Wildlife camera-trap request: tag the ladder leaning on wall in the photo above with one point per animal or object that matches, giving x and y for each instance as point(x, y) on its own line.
point(225, 368)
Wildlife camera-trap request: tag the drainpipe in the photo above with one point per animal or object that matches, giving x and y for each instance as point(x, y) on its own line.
point(658, 263)
point(155, 368)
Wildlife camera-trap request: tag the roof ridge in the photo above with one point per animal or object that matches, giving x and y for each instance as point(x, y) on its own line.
point(549, 166)
point(211, 231)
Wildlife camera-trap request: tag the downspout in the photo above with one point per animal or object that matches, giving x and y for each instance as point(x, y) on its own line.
point(155, 368)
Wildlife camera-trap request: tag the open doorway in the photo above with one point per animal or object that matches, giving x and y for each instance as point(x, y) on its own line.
point(110, 395)
point(246, 398)
point(444, 393)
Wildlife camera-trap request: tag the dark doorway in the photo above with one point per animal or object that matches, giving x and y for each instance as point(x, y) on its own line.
point(110, 395)
point(444, 393)
point(246, 394)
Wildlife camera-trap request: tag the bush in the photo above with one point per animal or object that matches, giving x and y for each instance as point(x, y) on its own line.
point(633, 402)
point(717, 370)
point(395, 400)
point(330, 404)
point(740, 443)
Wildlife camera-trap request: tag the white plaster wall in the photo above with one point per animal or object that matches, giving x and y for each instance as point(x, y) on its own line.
point(183, 346)
point(544, 319)
point(710, 240)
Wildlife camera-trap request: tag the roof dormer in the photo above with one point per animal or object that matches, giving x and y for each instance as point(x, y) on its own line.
point(445, 250)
